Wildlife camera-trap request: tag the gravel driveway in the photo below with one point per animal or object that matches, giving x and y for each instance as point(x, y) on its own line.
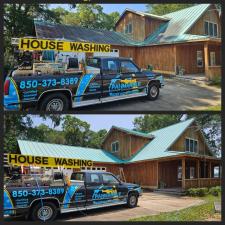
point(176, 95)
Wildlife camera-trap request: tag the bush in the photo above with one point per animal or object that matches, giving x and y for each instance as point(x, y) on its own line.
point(215, 190)
point(197, 192)
point(216, 81)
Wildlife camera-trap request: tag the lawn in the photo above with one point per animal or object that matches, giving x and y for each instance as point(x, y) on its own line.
point(194, 213)
point(214, 108)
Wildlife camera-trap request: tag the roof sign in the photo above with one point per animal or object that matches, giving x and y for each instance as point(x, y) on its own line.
point(28, 160)
point(27, 44)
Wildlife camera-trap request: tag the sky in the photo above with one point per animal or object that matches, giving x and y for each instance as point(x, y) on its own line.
point(97, 122)
point(108, 8)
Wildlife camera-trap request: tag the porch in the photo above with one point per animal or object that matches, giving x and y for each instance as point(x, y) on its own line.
point(187, 173)
point(198, 58)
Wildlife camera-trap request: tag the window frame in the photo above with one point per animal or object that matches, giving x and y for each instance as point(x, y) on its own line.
point(127, 28)
point(213, 23)
point(202, 58)
point(114, 142)
point(191, 139)
point(138, 69)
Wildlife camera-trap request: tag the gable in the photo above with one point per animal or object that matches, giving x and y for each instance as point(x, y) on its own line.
point(211, 15)
point(194, 133)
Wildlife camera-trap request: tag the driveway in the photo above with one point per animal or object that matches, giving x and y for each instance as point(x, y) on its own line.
point(176, 95)
point(149, 204)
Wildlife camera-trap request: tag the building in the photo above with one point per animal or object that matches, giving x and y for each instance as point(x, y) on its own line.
point(187, 41)
point(176, 156)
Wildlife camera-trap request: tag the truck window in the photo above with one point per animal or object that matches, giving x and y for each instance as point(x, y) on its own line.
point(93, 62)
point(95, 178)
point(128, 67)
point(109, 66)
point(77, 176)
point(109, 179)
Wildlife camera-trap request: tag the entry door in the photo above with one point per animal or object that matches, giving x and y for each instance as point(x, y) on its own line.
point(132, 79)
point(110, 78)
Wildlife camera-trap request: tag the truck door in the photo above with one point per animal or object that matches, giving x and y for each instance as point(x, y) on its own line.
point(132, 79)
point(110, 78)
point(94, 188)
point(115, 191)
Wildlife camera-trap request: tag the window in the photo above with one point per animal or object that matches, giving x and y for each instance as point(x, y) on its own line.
point(212, 58)
point(93, 168)
point(179, 173)
point(216, 171)
point(199, 59)
point(110, 67)
point(115, 146)
point(128, 67)
point(77, 176)
point(109, 179)
point(192, 172)
point(128, 28)
point(211, 29)
point(95, 178)
point(93, 62)
point(191, 145)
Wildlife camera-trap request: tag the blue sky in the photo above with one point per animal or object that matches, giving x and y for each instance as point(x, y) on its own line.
point(108, 8)
point(98, 122)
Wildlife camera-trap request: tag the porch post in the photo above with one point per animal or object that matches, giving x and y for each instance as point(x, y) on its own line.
point(157, 174)
point(206, 59)
point(210, 173)
point(183, 173)
point(198, 172)
point(175, 59)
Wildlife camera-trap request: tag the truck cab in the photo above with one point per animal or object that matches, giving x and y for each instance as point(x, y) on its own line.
point(44, 197)
point(53, 86)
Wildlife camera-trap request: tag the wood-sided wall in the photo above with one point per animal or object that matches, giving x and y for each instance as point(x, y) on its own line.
point(210, 15)
point(143, 173)
point(194, 133)
point(128, 144)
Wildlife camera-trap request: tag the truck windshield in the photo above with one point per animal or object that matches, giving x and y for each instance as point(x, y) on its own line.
point(93, 62)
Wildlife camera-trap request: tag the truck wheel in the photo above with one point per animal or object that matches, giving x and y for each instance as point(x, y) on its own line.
point(54, 102)
point(45, 212)
point(132, 200)
point(153, 91)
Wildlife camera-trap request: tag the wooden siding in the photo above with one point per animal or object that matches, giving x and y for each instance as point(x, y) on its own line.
point(128, 144)
point(138, 25)
point(168, 173)
point(160, 56)
point(151, 24)
point(186, 56)
point(210, 15)
point(179, 145)
point(143, 173)
point(126, 51)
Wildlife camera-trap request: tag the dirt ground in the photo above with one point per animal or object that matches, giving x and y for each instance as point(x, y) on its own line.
point(176, 95)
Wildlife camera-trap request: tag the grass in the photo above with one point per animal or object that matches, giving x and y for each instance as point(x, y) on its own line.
point(194, 213)
point(214, 108)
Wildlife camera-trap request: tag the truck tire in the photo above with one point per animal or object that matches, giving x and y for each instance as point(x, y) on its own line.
point(54, 102)
point(153, 91)
point(45, 212)
point(132, 200)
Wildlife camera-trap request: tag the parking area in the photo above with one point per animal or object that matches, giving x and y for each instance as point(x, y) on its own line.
point(149, 204)
point(176, 95)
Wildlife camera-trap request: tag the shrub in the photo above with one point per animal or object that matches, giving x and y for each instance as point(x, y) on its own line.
point(215, 190)
point(216, 81)
point(200, 192)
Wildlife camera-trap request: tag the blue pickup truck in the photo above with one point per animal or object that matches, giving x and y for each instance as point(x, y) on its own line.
point(43, 198)
point(104, 79)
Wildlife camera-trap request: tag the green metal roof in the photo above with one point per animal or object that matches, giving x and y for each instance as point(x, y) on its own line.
point(64, 151)
point(134, 132)
point(164, 138)
point(158, 147)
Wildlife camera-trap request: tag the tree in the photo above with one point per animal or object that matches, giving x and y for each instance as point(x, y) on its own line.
point(19, 22)
point(148, 123)
point(162, 9)
point(88, 16)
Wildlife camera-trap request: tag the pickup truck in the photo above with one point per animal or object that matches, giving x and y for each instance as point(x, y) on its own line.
point(104, 79)
point(44, 197)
